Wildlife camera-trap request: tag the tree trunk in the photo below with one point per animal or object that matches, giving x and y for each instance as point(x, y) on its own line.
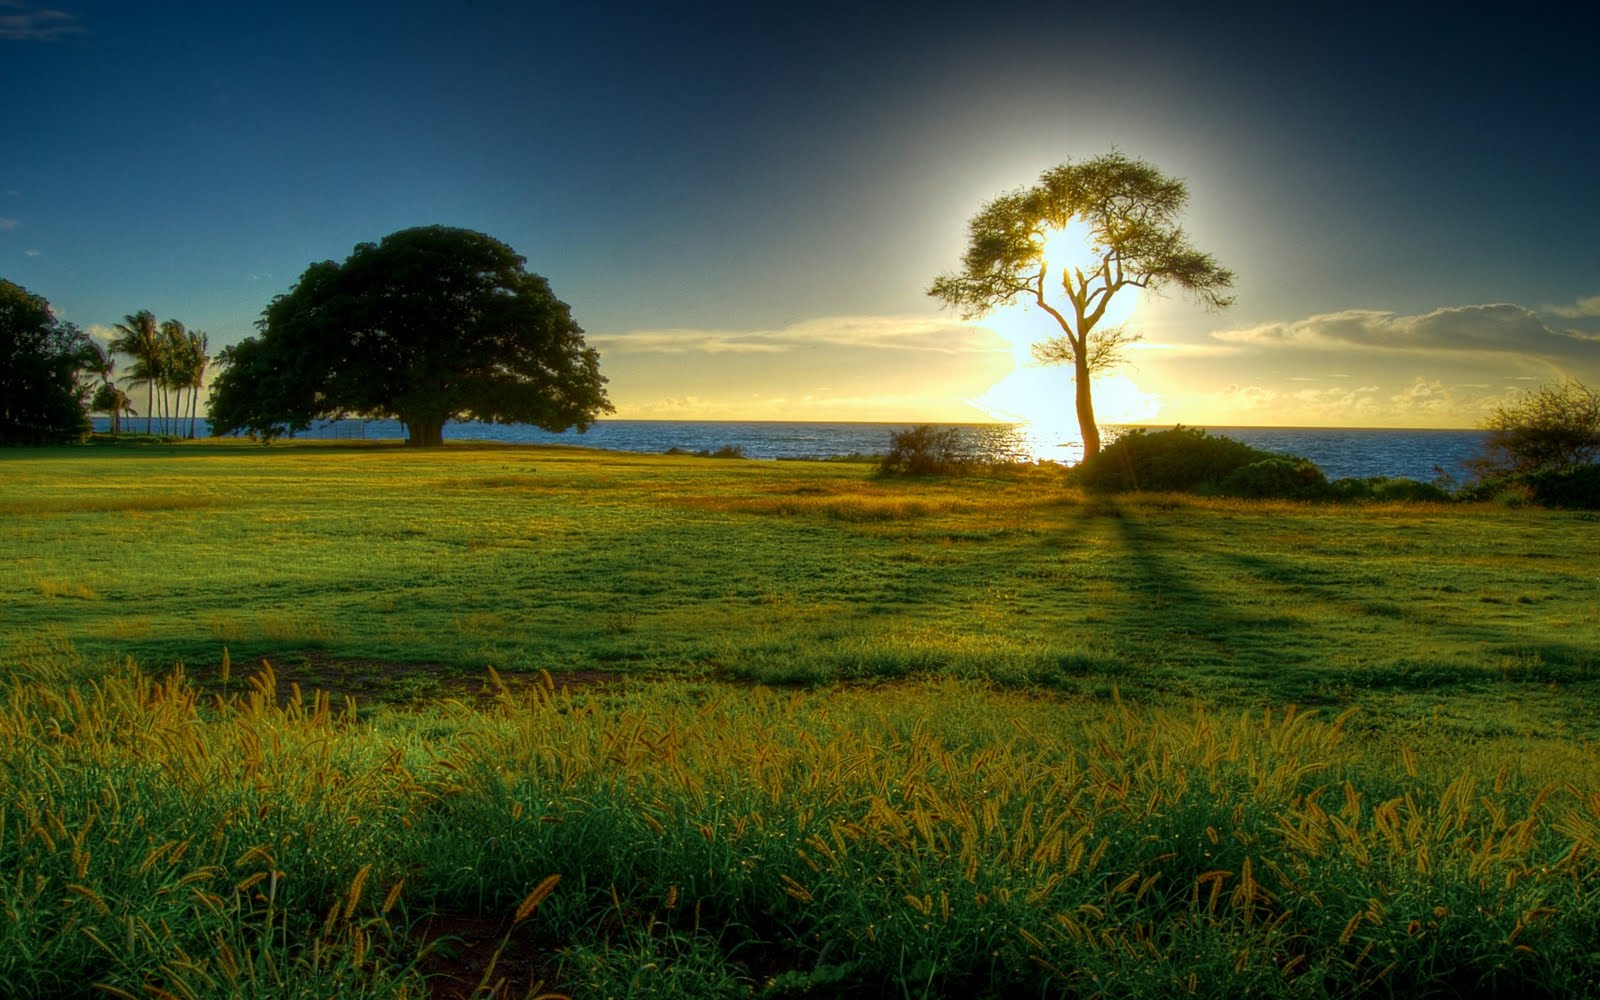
point(1086, 425)
point(425, 432)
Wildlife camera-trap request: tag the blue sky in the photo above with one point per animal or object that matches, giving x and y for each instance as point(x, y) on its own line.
point(745, 203)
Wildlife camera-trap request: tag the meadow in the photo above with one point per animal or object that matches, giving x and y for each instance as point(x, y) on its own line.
point(317, 720)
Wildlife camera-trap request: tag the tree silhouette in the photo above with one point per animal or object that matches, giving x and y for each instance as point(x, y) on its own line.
point(1129, 211)
point(429, 325)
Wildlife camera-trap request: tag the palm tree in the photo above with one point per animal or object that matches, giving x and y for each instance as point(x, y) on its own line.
point(174, 348)
point(110, 399)
point(198, 362)
point(139, 338)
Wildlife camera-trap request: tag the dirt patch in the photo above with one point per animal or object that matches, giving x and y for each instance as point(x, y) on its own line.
point(371, 681)
point(464, 957)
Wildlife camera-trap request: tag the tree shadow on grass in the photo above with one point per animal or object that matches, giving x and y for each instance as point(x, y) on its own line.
point(1181, 635)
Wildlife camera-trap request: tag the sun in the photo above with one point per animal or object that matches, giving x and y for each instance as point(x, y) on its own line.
point(1071, 249)
point(1041, 398)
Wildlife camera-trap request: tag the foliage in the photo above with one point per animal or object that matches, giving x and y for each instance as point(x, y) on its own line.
point(428, 325)
point(166, 356)
point(112, 401)
point(1384, 489)
point(45, 365)
point(684, 840)
point(1278, 477)
point(1184, 459)
point(725, 451)
point(924, 450)
point(1576, 488)
point(1552, 429)
point(1131, 212)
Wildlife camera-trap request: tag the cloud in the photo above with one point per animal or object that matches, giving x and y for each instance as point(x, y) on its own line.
point(41, 25)
point(32, 253)
point(897, 333)
point(1424, 401)
point(6, 225)
point(682, 341)
point(1498, 328)
point(1171, 350)
point(1585, 307)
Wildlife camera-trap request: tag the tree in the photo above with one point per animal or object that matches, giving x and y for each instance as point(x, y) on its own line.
point(1128, 212)
point(200, 361)
point(1553, 429)
point(108, 397)
point(172, 371)
point(112, 401)
point(45, 367)
point(431, 324)
point(139, 337)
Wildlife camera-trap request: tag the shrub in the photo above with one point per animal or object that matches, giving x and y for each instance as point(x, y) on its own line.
point(925, 450)
point(1382, 489)
point(1277, 477)
point(1556, 427)
point(1184, 459)
point(1576, 489)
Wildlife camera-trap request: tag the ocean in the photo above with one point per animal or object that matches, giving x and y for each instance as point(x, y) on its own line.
point(1339, 452)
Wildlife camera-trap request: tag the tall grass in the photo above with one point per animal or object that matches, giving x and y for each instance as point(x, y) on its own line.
point(673, 839)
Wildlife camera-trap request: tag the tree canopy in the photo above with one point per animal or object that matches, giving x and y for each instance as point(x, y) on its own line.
point(1129, 213)
point(44, 365)
point(428, 325)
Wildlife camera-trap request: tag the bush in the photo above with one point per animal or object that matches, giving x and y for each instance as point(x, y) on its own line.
point(1182, 460)
point(924, 450)
point(1382, 489)
point(1574, 489)
point(1278, 477)
point(1555, 428)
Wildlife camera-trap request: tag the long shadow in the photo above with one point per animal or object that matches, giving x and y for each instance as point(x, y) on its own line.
point(1182, 630)
point(1544, 660)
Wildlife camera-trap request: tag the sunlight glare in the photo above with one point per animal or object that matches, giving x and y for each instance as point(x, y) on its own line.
point(1072, 248)
point(1041, 400)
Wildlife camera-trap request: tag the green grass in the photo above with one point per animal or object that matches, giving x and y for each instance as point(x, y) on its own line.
point(826, 735)
point(337, 561)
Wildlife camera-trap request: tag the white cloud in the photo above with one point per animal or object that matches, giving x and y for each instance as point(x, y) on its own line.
point(681, 342)
point(31, 253)
point(41, 25)
point(6, 225)
point(1587, 306)
point(907, 333)
point(1497, 328)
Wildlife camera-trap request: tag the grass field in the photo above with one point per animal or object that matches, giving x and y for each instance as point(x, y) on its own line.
point(826, 734)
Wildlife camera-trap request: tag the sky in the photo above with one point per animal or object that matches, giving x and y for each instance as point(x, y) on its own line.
point(744, 204)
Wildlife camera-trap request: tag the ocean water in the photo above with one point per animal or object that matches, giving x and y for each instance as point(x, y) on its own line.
point(1339, 452)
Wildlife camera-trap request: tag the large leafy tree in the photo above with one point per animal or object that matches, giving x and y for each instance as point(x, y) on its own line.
point(428, 325)
point(46, 371)
point(1127, 212)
